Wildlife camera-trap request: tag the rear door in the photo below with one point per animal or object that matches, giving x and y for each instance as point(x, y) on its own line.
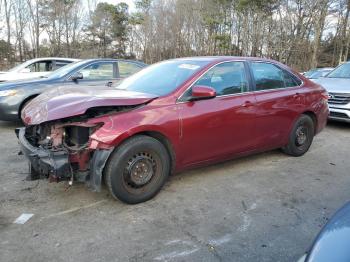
point(60, 63)
point(39, 68)
point(126, 69)
point(221, 126)
point(279, 101)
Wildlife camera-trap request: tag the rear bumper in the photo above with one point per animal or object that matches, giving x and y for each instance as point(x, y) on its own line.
point(45, 163)
point(339, 114)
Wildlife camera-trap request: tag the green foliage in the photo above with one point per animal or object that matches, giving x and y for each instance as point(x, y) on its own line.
point(143, 5)
point(6, 50)
point(258, 5)
point(223, 41)
point(109, 24)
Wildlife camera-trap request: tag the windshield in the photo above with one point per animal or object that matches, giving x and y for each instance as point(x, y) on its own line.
point(310, 72)
point(319, 74)
point(342, 71)
point(62, 71)
point(162, 78)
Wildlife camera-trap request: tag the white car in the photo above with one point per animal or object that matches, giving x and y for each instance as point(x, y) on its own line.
point(337, 83)
point(35, 68)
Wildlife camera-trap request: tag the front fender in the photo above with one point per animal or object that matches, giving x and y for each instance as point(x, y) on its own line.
point(97, 165)
point(117, 128)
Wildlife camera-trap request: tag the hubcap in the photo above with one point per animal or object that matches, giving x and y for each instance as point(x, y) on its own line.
point(301, 135)
point(140, 170)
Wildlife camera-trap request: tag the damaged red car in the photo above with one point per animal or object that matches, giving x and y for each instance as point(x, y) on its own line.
point(168, 117)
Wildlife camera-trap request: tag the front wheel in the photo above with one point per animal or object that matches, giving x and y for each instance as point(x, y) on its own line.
point(301, 136)
point(137, 169)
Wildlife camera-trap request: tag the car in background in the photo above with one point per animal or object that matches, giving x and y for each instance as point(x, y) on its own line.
point(318, 72)
point(332, 243)
point(168, 117)
point(90, 73)
point(35, 68)
point(337, 83)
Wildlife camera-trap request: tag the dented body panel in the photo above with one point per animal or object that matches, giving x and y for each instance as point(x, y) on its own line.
point(64, 102)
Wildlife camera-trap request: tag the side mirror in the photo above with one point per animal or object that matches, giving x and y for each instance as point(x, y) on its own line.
point(202, 92)
point(25, 70)
point(76, 76)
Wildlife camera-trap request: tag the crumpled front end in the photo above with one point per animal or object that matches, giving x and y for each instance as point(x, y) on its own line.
point(61, 152)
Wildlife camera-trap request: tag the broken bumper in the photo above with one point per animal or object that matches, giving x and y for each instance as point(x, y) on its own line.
point(44, 163)
point(55, 165)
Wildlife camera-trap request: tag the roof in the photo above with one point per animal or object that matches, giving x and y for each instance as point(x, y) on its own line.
point(113, 59)
point(54, 58)
point(221, 58)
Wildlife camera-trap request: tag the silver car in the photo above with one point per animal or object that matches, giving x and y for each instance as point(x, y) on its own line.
point(337, 83)
point(35, 68)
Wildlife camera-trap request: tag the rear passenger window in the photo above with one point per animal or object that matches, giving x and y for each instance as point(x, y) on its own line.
point(41, 66)
point(268, 76)
point(226, 78)
point(126, 69)
point(60, 63)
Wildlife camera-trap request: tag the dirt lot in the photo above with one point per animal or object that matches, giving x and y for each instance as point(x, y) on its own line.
point(266, 207)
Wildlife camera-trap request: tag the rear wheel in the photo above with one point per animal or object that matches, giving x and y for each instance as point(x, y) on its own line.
point(301, 136)
point(137, 169)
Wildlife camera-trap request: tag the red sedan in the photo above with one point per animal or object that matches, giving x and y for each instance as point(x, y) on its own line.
point(168, 117)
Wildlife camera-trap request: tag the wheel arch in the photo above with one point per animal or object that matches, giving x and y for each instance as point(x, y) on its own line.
point(162, 139)
point(313, 116)
point(24, 102)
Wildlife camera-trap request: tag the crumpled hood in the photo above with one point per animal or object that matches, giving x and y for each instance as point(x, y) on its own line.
point(336, 85)
point(63, 102)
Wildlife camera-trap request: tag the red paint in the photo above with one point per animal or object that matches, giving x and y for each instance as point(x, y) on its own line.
point(73, 101)
point(209, 130)
point(203, 92)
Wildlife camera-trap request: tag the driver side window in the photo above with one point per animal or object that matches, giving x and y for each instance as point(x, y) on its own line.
point(226, 78)
point(98, 71)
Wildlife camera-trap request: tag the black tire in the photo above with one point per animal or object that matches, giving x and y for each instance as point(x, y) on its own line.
point(301, 136)
point(137, 169)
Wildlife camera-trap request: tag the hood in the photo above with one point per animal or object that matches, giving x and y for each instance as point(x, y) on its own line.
point(336, 85)
point(63, 102)
point(21, 83)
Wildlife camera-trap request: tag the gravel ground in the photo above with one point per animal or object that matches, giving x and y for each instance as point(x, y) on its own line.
point(266, 207)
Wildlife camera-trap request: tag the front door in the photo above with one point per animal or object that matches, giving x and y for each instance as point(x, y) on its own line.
point(98, 74)
point(222, 125)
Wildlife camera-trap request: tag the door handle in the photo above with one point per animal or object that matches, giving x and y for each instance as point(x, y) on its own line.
point(247, 104)
point(110, 83)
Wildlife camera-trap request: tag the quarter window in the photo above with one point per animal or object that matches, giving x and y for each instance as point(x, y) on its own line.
point(268, 76)
point(98, 71)
point(226, 78)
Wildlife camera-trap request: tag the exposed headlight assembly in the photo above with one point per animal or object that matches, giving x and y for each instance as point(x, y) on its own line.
point(8, 93)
